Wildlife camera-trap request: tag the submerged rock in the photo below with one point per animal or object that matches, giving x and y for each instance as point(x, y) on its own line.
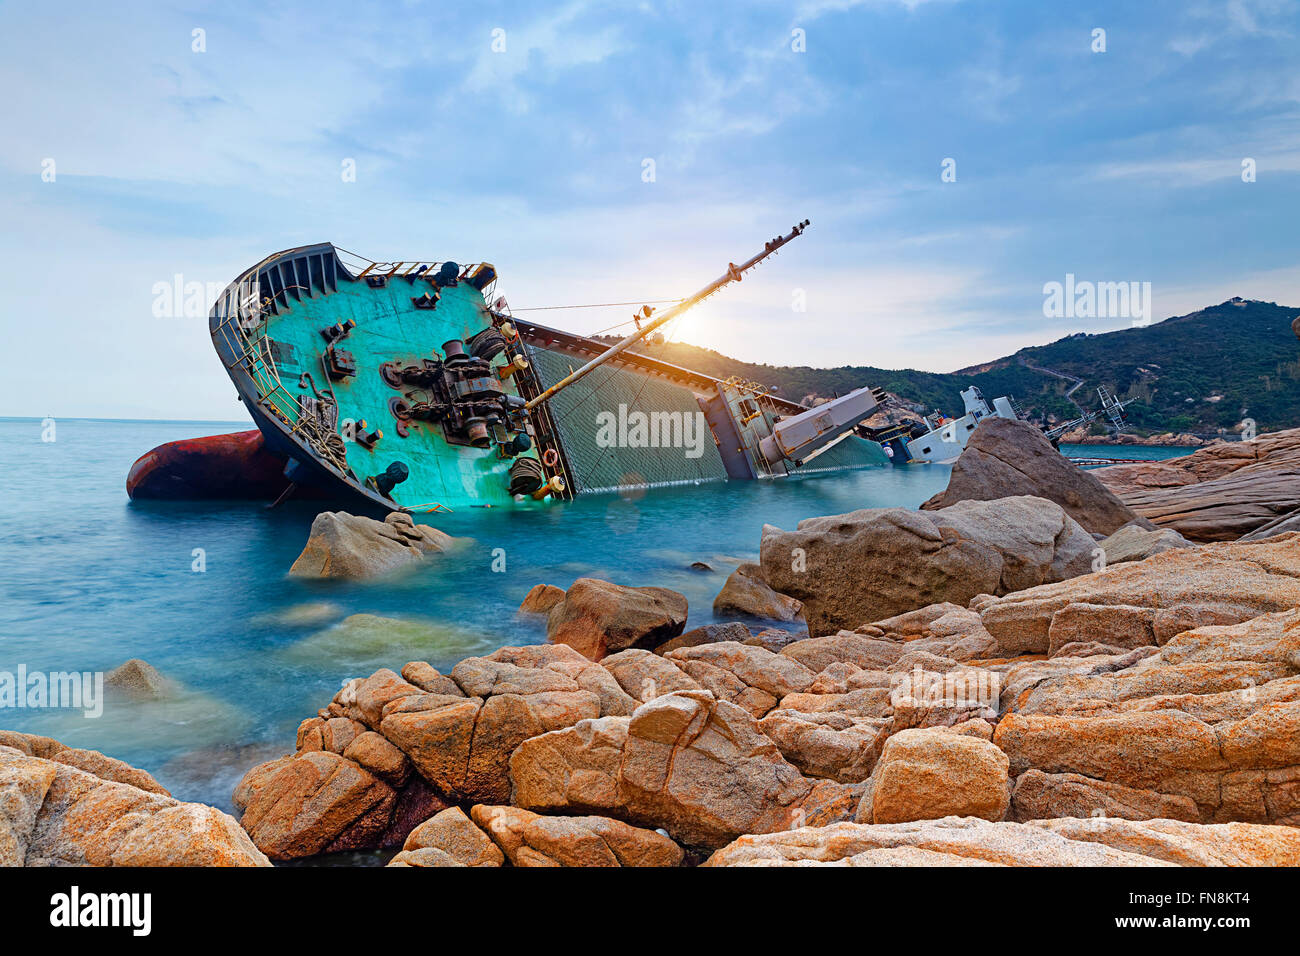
point(1007, 457)
point(342, 545)
point(541, 598)
point(597, 618)
point(140, 680)
point(142, 704)
point(362, 643)
point(860, 567)
point(307, 614)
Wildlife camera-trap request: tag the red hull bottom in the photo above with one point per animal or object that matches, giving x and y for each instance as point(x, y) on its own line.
point(237, 465)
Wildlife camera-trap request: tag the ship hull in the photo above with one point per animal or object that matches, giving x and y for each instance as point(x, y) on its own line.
point(348, 369)
point(234, 466)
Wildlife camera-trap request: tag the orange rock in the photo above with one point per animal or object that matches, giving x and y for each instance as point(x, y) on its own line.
point(575, 769)
point(1218, 493)
point(1038, 796)
point(424, 676)
point(541, 598)
point(452, 833)
point(1187, 844)
point(1232, 582)
point(929, 774)
point(61, 815)
point(317, 801)
point(598, 618)
point(702, 769)
point(968, 841)
point(829, 744)
point(373, 752)
point(644, 675)
point(23, 785)
point(694, 765)
point(1140, 750)
point(378, 691)
point(532, 840)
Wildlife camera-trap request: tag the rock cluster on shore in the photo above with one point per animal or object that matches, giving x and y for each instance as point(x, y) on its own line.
point(65, 807)
point(1083, 436)
point(1005, 456)
point(1144, 714)
point(1218, 493)
point(986, 683)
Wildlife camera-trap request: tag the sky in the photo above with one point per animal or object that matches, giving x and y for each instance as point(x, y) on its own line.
point(954, 158)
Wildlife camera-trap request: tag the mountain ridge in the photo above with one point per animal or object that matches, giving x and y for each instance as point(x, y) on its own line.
point(1203, 372)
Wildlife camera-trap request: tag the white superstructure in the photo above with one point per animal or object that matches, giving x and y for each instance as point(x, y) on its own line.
point(945, 440)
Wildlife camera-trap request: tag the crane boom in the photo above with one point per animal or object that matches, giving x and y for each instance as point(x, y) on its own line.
point(733, 274)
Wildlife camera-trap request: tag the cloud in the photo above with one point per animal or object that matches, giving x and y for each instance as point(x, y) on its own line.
point(171, 161)
point(506, 55)
point(815, 9)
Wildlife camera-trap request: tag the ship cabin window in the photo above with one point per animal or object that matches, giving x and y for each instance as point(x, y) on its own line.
point(925, 451)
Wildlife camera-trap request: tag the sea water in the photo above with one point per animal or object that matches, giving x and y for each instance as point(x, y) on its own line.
point(199, 589)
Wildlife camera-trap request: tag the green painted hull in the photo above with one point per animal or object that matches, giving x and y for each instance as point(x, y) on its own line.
point(277, 354)
point(352, 371)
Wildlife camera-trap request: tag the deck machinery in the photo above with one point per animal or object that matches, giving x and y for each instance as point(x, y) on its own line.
point(408, 386)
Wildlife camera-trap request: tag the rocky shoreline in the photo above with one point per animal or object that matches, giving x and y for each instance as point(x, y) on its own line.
point(1026, 672)
point(1222, 492)
point(1082, 436)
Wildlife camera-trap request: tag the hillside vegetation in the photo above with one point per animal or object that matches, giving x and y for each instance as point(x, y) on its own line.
point(1192, 373)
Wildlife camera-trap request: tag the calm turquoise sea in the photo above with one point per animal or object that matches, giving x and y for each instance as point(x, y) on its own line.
point(1128, 452)
point(91, 579)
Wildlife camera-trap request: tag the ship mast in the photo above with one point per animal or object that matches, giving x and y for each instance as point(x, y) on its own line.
point(733, 274)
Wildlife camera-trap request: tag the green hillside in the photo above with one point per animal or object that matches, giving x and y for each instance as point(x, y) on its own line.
point(1191, 373)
